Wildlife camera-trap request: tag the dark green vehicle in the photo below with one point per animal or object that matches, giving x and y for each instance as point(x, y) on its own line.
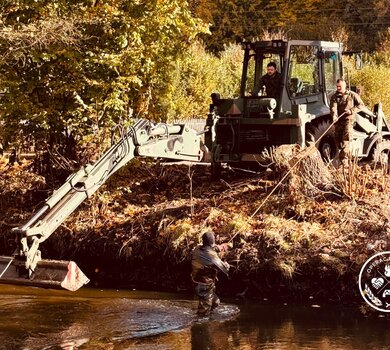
point(240, 129)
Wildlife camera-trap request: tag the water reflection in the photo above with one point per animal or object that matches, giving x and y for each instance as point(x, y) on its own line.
point(278, 327)
point(294, 327)
point(117, 320)
point(43, 322)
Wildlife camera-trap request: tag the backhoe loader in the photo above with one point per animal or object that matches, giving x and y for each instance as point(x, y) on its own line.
point(144, 139)
point(241, 129)
point(236, 131)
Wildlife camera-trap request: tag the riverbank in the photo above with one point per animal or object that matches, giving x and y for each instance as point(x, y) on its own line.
point(303, 241)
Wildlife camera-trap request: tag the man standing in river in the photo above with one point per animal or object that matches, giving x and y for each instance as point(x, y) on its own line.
point(205, 265)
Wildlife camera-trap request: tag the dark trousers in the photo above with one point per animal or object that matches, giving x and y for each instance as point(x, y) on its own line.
point(208, 300)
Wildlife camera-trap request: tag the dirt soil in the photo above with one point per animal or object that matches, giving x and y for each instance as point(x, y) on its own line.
point(286, 235)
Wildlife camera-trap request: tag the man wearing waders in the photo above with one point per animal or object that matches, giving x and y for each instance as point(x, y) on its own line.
point(205, 265)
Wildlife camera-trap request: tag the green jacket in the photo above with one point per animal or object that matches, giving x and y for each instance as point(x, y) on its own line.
point(339, 103)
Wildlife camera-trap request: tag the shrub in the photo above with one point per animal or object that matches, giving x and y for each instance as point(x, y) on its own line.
point(375, 81)
point(197, 74)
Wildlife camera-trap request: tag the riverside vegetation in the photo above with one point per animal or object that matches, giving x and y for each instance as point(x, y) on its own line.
point(303, 238)
point(71, 70)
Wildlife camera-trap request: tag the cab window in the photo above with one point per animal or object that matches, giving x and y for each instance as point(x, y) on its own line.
point(250, 79)
point(332, 68)
point(257, 67)
point(303, 74)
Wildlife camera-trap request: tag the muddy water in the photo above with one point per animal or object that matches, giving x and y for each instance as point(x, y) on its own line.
point(33, 318)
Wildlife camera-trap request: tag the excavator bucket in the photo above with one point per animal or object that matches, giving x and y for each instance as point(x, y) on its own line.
point(48, 273)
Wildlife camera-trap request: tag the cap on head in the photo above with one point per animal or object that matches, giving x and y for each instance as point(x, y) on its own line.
point(208, 239)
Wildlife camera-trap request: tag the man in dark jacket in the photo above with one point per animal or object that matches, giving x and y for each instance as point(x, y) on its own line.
point(269, 84)
point(205, 265)
point(344, 105)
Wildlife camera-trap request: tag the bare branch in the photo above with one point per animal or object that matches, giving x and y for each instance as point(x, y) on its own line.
point(16, 41)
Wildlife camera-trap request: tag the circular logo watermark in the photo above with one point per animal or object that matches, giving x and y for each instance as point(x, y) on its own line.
point(374, 281)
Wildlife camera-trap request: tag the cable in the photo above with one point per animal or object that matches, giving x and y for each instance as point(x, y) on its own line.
point(6, 268)
point(288, 172)
point(254, 26)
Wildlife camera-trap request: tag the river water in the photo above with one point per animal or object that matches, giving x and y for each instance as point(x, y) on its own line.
point(35, 318)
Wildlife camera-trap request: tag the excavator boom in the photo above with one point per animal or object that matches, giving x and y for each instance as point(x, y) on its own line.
point(143, 139)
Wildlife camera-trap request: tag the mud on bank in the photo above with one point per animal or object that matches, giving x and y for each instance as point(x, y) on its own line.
point(295, 243)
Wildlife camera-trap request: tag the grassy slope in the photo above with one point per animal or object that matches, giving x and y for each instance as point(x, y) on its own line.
point(140, 228)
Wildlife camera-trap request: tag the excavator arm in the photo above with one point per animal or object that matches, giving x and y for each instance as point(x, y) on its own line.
point(143, 139)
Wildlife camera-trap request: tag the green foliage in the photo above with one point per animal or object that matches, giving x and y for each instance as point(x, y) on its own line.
point(377, 58)
point(71, 68)
point(375, 81)
point(197, 74)
point(373, 78)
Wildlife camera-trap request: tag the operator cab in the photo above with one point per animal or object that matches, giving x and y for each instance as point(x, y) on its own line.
point(309, 72)
point(240, 129)
point(257, 56)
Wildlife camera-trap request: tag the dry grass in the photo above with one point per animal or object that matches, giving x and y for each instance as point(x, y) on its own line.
point(144, 212)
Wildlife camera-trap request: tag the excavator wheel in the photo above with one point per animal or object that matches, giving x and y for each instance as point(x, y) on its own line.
point(327, 144)
point(382, 153)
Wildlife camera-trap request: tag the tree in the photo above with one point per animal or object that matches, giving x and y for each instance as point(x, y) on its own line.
point(197, 75)
point(238, 20)
point(69, 70)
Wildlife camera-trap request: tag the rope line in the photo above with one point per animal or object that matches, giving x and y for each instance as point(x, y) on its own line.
point(306, 151)
point(6, 268)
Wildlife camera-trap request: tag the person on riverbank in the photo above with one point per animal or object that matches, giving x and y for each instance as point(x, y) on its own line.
point(344, 104)
point(205, 265)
